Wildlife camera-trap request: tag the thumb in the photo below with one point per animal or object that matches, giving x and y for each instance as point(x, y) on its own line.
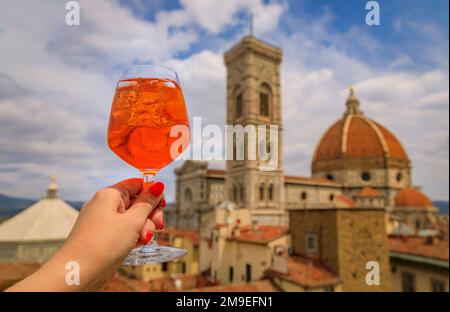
point(144, 204)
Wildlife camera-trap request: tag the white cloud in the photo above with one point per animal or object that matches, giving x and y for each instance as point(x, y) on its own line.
point(214, 16)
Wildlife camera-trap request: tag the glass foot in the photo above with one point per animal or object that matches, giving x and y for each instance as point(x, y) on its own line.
point(153, 253)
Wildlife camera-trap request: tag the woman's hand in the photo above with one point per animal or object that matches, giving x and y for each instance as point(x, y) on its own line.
point(109, 226)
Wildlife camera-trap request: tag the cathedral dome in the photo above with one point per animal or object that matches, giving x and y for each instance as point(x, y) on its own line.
point(356, 136)
point(410, 197)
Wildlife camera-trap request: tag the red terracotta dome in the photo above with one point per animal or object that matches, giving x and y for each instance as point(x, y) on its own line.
point(410, 197)
point(356, 135)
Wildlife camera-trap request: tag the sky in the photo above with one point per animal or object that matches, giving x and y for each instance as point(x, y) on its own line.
point(57, 81)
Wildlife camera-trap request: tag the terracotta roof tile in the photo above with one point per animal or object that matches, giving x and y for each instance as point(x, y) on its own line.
point(126, 284)
point(418, 246)
point(364, 138)
point(410, 197)
point(261, 235)
point(119, 283)
point(307, 272)
point(191, 235)
point(330, 146)
point(395, 148)
point(344, 202)
point(368, 192)
point(262, 285)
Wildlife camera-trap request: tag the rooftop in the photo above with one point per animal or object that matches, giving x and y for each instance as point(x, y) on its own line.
point(434, 247)
point(356, 136)
point(262, 285)
point(261, 235)
point(50, 219)
point(190, 235)
point(306, 272)
point(410, 197)
point(368, 192)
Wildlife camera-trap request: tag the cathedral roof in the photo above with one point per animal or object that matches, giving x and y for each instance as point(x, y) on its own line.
point(355, 135)
point(50, 218)
point(410, 197)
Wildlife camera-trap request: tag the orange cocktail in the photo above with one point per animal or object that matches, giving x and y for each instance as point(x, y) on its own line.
point(143, 112)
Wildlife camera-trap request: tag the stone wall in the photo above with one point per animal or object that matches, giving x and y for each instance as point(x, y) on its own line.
point(346, 240)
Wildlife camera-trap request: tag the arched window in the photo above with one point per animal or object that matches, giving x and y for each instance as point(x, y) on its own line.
point(265, 95)
point(271, 192)
point(261, 191)
point(188, 195)
point(238, 104)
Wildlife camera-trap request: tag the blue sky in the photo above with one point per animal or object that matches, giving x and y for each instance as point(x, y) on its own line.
point(57, 82)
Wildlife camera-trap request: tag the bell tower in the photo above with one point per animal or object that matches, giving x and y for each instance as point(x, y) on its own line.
point(253, 99)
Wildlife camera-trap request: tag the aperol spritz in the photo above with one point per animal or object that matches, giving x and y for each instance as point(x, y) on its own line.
point(147, 104)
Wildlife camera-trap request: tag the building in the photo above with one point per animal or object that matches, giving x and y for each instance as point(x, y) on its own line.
point(344, 237)
point(234, 249)
point(302, 274)
point(419, 263)
point(357, 152)
point(360, 190)
point(415, 209)
point(37, 232)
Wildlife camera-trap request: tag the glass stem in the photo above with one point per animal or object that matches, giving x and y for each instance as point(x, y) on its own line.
point(149, 179)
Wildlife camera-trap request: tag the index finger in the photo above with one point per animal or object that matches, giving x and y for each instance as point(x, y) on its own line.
point(128, 189)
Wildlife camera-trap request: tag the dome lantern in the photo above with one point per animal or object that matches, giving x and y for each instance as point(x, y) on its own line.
point(353, 106)
point(52, 189)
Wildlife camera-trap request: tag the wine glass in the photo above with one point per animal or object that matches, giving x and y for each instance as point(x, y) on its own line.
point(147, 105)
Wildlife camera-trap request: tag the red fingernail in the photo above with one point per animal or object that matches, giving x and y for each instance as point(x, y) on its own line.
point(148, 237)
point(163, 203)
point(156, 189)
point(161, 225)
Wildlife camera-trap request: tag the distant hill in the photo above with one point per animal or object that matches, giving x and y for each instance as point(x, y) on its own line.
point(442, 205)
point(11, 205)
